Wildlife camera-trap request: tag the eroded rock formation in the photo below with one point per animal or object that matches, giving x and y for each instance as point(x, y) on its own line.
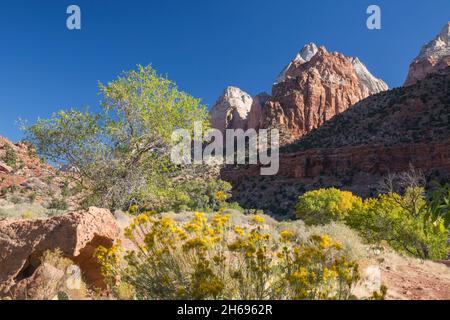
point(76, 234)
point(315, 87)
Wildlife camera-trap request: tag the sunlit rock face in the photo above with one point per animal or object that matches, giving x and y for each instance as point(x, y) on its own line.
point(316, 86)
point(434, 56)
point(231, 110)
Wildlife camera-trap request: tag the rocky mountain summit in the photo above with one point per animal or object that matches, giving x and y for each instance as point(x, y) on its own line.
point(434, 56)
point(368, 83)
point(315, 86)
point(231, 109)
point(302, 57)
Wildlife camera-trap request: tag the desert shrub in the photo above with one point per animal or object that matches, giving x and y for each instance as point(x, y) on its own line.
point(325, 205)
point(24, 210)
point(404, 222)
point(58, 204)
point(235, 206)
point(353, 245)
point(193, 194)
point(16, 199)
point(10, 157)
point(379, 295)
point(61, 295)
point(209, 257)
point(66, 190)
point(56, 259)
point(27, 214)
point(32, 197)
point(71, 285)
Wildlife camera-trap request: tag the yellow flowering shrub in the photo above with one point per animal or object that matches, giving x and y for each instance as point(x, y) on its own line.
point(405, 221)
point(208, 257)
point(325, 205)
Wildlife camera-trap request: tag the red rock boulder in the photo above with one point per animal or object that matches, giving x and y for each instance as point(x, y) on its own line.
point(76, 234)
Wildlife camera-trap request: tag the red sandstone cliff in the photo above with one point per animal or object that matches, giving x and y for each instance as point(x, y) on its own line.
point(314, 91)
point(24, 177)
point(315, 86)
point(434, 56)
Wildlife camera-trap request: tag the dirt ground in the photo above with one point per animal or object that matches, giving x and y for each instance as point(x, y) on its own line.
point(413, 279)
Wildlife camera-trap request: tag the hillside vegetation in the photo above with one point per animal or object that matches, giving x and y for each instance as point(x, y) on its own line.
point(418, 113)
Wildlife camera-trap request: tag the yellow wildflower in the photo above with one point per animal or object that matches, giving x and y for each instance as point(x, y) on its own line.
point(286, 235)
point(258, 219)
point(239, 230)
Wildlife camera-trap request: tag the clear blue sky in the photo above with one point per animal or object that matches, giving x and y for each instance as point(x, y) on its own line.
point(203, 45)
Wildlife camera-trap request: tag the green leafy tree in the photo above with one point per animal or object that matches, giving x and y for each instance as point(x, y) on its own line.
point(439, 202)
point(121, 155)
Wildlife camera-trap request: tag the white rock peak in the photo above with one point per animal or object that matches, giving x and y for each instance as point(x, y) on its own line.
point(308, 51)
point(367, 82)
point(438, 47)
point(433, 56)
point(231, 109)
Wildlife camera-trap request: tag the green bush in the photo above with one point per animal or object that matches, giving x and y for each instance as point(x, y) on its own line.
point(58, 204)
point(189, 195)
point(325, 205)
point(202, 195)
point(404, 222)
point(10, 157)
point(439, 202)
